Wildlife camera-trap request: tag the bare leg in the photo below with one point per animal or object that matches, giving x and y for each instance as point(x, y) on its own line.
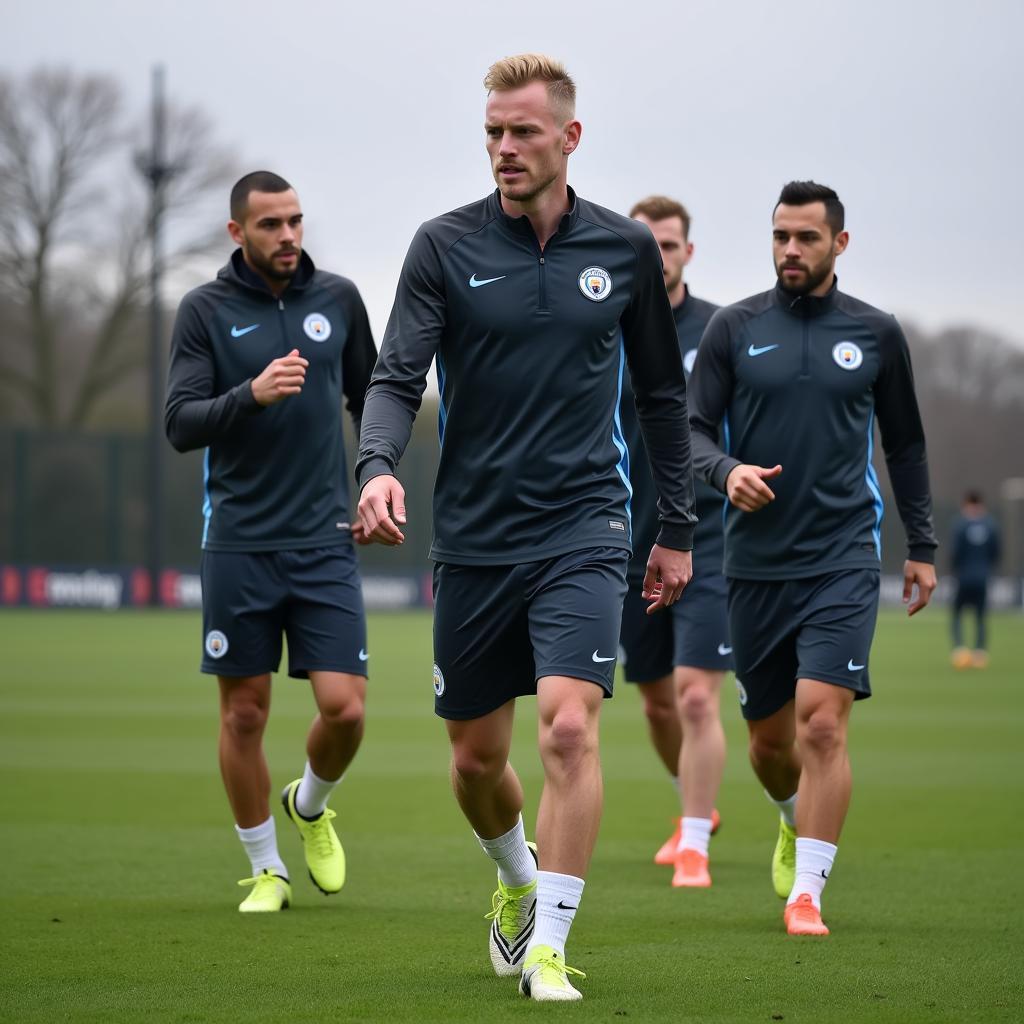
point(822, 716)
point(244, 707)
point(773, 753)
point(485, 786)
point(337, 730)
point(702, 752)
point(659, 699)
point(570, 805)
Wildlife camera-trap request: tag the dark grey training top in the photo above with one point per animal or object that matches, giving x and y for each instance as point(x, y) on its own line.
point(531, 348)
point(691, 316)
point(275, 477)
point(799, 381)
point(976, 547)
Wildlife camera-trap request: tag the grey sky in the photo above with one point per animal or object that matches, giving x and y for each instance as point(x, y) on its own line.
point(912, 111)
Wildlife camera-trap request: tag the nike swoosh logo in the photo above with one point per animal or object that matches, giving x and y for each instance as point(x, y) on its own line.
point(754, 351)
point(597, 658)
point(363, 656)
point(562, 906)
point(474, 283)
point(723, 650)
point(853, 668)
point(237, 332)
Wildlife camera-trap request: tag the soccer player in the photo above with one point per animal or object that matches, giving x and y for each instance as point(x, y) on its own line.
point(679, 660)
point(975, 555)
point(532, 300)
point(799, 374)
point(260, 360)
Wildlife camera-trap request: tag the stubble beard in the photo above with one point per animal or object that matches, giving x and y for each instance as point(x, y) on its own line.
point(815, 277)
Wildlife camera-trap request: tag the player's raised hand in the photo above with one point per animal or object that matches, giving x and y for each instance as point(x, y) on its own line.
point(281, 378)
point(747, 489)
point(668, 572)
point(921, 575)
point(382, 509)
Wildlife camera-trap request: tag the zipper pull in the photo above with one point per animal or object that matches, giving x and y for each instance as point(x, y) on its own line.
point(280, 303)
point(542, 259)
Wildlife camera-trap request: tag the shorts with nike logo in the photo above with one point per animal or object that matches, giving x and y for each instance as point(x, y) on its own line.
point(819, 628)
point(693, 632)
point(312, 596)
point(500, 628)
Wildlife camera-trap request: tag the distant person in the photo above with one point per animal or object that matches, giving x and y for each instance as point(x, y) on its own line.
point(532, 300)
point(260, 361)
point(799, 374)
point(976, 552)
point(679, 660)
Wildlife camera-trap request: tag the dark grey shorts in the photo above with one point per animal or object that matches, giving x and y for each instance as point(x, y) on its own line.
point(816, 628)
point(252, 599)
point(693, 632)
point(500, 628)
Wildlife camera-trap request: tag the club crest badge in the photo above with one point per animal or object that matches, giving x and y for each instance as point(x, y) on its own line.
point(216, 644)
point(847, 355)
point(438, 681)
point(596, 283)
point(741, 692)
point(317, 327)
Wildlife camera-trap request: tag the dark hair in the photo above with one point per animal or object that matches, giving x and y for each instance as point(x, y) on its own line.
point(661, 208)
point(256, 181)
point(800, 193)
point(973, 498)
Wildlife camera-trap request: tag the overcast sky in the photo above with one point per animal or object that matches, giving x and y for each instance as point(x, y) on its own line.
point(913, 111)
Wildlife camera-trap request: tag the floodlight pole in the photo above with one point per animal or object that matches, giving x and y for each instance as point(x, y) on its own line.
point(155, 169)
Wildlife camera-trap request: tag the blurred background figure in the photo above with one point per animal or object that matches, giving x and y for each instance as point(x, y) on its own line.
point(975, 554)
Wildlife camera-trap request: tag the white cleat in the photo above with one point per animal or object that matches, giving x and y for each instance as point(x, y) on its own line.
point(546, 977)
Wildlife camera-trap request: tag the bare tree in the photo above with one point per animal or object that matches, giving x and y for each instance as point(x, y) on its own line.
point(73, 221)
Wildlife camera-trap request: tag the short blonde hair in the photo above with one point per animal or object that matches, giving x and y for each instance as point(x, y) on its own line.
point(661, 208)
point(515, 72)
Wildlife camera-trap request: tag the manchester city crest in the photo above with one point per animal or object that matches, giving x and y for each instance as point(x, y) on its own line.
point(438, 681)
point(216, 644)
point(317, 327)
point(596, 283)
point(847, 355)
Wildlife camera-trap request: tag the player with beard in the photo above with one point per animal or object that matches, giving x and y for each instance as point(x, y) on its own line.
point(532, 301)
point(260, 361)
point(799, 374)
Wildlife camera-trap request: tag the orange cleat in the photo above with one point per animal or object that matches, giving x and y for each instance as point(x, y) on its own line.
point(960, 658)
point(802, 917)
point(667, 854)
point(691, 871)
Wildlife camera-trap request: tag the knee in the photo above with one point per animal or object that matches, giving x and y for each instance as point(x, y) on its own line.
point(244, 719)
point(660, 713)
point(472, 763)
point(696, 705)
point(767, 749)
point(821, 733)
point(568, 738)
point(344, 712)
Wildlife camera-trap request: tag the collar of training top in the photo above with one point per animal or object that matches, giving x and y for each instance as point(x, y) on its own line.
point(521, 226)
point(807, 305)
point(239, 273)
point(684, 307)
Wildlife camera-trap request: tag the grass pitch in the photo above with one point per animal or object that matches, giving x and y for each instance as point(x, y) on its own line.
point(120, 860)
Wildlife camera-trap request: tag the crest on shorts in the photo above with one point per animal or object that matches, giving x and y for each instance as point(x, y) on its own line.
point(596, 283)
point(741, 690)
point(317, 327)
point(216, 644)
point(438, 681)
point(847, 355)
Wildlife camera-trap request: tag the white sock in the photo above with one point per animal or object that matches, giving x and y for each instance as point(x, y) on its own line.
point(787, 808)
point(814, 859)
point(313, 793)
point(696, 835)
point(516, 866)
point(558, 897)
point(261, 847)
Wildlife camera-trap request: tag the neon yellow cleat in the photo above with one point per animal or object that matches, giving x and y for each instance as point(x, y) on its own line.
point(269, 893)
point(784, 861)
point(325, 858)
point(546, 977)
point(513, 910)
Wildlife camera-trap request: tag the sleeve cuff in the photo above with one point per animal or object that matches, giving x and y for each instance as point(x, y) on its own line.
point(246, 399)
point(721, 472)
point(677, 536)
point(375, 466)
point(922, 553)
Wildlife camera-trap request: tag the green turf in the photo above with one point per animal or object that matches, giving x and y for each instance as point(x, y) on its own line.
point(120, 861)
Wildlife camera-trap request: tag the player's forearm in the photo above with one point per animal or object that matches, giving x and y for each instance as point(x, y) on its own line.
point(710, 463)
point(666, 435)
point(909, 479)
point(388, 415)
point(192, 423)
